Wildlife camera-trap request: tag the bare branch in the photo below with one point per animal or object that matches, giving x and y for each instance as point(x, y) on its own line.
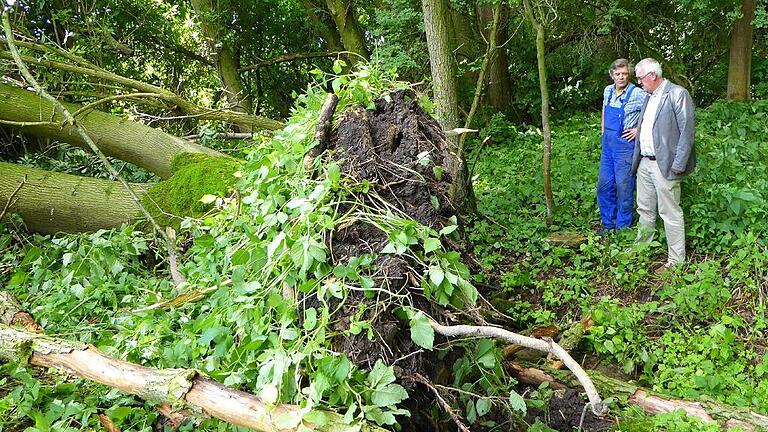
point(442, 402)
point(487, 60)
point(546, 345)
point(93, 105)
point(185, 105)
point(10, 198)
point(288, 58)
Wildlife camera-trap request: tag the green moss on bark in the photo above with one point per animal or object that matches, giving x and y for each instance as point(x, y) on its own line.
point(193, 176)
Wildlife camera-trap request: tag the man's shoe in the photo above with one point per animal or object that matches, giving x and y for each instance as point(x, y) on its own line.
point(662, 269)
point(602, 232)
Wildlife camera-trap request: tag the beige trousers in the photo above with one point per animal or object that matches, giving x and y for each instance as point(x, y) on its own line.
point(654, 191)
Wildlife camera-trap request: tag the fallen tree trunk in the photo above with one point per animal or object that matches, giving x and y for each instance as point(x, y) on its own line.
point(50, 202)
point(175, 387)
point(257, 122)
point(117, 137)
point(706, 410)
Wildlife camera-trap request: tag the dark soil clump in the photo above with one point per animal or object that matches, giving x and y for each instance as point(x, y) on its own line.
point(395, 154)
point(565, 414)
point(398, 152)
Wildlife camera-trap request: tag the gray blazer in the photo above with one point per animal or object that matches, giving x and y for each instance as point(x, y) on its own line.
point(673, 133)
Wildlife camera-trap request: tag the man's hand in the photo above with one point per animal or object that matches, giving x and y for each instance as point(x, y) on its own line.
point(677, 172)
point(629, 134)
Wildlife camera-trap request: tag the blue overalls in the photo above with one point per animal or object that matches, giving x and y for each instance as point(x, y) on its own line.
point(615, 184)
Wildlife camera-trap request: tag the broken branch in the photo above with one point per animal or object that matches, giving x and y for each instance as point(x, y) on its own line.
point(545, 345)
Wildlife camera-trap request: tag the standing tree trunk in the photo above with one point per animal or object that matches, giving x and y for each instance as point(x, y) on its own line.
point(740, 63)
point(446, 98)
point(499, 93)
point(227, 60)
point(324, 24)
point(538, 28)
point(352, 35)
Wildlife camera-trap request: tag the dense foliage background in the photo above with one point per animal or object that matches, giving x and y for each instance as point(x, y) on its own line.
point(698, 332)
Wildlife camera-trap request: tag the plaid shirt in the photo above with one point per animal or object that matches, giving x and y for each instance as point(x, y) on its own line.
point(633, 107)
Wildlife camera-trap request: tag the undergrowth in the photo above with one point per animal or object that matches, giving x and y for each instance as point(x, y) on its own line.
point(697, 332)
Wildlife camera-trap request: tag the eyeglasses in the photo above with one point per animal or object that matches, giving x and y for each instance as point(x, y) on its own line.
point(640, 79)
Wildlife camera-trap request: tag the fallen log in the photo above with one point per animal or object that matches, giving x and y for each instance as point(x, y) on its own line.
point(707, 411)
point(172, 387)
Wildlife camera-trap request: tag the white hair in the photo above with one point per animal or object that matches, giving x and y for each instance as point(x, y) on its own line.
point(649, 65)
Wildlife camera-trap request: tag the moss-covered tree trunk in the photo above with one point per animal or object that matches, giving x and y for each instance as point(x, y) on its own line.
point(436, 14)
point(123, 139)
point(740, 63)
point(343, 13)
point(51, 202)
point(227, 59)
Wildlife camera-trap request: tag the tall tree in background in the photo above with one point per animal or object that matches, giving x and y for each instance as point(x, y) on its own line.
point(324, 24)
point(436, 13)
point(343, 13)
point(740, 63)
point(499, 93)
point(537, 20)
point(226, 55)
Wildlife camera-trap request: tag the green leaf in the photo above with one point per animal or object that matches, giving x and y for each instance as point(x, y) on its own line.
point(483, 406)
point(516, 402)
point(310, 318)
point(431, 244)
point(390, 394)
point(449, 229)
point(118, 412)
point(380, 375)
point(421, 332)
point(378, 416)
point(287, 420)
point(334, 173)
point(436, 275)
point(211, 333)
point(486, 354)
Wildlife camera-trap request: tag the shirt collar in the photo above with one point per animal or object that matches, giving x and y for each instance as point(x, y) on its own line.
point(660, 89)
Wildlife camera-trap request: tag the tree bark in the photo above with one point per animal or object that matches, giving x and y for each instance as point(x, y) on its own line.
point(740, 63)
point(129, 141)
point(169, 386)
point(229, 116)
point(343, 13)
point(436, 15)
point(706, 410)
point(499, 94)
point(227, 60)
point(51, 202)
point(323, 22)
point(538, 28)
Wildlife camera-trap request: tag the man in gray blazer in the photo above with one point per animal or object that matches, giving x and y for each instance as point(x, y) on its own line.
point(664, 155)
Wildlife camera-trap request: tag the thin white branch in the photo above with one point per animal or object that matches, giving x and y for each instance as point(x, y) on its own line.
point(544, 345)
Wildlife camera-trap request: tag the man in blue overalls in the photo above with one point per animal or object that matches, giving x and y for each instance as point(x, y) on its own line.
point(622, 103)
